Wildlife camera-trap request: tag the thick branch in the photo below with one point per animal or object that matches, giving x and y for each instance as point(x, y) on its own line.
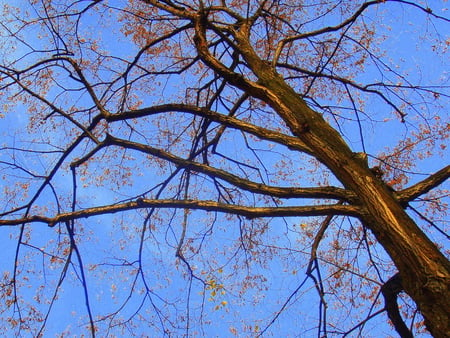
point(259, 188)
point(390, 291)
point(170, 7)
point(424, 186)
point(236, 79)
point(231, 122)
point(140, 203)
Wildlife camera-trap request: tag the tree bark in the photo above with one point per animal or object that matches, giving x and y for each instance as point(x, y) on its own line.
point(424, 270)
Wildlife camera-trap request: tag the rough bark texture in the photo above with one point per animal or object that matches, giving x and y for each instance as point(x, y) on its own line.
point(424, 270)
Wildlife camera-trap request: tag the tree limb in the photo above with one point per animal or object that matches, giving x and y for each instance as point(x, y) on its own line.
point(141, 203)
point(390, 291)
point(229, 121)
point(283, 192)
point(422, 187)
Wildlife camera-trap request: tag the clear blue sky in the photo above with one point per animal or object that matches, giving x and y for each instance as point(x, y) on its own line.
point(114, 241)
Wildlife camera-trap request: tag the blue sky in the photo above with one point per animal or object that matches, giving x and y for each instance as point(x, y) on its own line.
point(110, 244)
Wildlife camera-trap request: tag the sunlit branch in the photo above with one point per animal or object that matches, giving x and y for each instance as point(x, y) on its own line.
point(324, 30)
point(286, 192)
point(142, 203)
point(229, 121)
point(424, 186)
point(170, 7)
point(236, 79)
point(255, 74)
point(345, 82)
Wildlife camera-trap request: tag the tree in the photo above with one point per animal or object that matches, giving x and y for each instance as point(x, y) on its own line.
point(190, 158)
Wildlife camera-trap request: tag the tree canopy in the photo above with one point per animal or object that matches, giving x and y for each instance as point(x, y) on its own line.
point(224, 168)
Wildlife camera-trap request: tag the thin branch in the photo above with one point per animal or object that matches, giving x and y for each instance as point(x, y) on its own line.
point(314, 265)
point(363, 322)
point(320, 31)
point(430, 222)
point(74, 247)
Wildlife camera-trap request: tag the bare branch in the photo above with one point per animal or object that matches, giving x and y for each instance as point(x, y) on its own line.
point(390, 291)
point(141, 203)
point(422, 187)
point(284, 192)
point(229, 121)
point(320, 31)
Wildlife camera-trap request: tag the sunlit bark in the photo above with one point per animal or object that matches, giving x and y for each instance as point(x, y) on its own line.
point(243, 63)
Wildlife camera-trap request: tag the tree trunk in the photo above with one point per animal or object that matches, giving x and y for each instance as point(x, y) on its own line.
point(424, 270)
